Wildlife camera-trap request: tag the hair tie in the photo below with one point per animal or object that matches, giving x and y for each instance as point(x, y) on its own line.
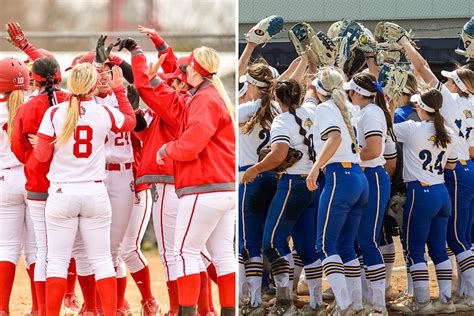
point(334, 89)
point(378, 86)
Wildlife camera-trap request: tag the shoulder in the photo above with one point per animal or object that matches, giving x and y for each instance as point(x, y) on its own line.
point(326, 108)
point(250, 105)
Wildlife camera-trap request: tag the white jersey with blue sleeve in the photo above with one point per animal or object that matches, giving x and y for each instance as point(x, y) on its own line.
point(457, 111)
point(371, 123)
point(422, 160)
point(285, 129)
point(329, 119)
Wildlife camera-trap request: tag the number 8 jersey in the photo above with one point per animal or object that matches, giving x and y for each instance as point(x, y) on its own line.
point(82, 158)
point(422, 160)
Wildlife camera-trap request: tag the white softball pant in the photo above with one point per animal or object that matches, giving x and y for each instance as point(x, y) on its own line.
point(36, 208)
point(205, 220)
point(82, 206)
point(28, 247)
point(120, 187)
point(165, 211)
point(13, 213)
point(131, 245)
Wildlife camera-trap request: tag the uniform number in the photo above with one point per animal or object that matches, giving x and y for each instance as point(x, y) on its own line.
point(461, 134)
point(265, 137)
point(122, 139)
point(83, 136)
point(427, 157)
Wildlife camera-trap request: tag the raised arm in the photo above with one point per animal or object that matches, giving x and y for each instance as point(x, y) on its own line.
point(419, 63)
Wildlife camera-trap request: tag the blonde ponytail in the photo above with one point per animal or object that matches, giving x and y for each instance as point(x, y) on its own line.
point(82, 80)
point(332, 81)
point(209, 59)
point(15, 99)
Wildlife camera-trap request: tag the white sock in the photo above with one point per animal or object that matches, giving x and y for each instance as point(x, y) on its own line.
point(466, 265)
point(243, 285)
point(334, 271)
point(366, 293)
point(297, 270)
point(420, 278)
point(388, 252)
point(444, 277)
point(254, 272)
point(314, 278)
point(281, 271)
point(354, 282)
point(376, 276)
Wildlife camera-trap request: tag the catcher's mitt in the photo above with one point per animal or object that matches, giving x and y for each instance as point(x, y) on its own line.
point(466, 41)
point(391, 226)
point(291, 158)
point(319, 47)
point(388, 53)
point(353, 41)
point(394, 79)
point(395, 208)
point(265, 30)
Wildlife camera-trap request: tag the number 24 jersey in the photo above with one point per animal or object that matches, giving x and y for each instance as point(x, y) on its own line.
point(422, 160)
point(82, 157)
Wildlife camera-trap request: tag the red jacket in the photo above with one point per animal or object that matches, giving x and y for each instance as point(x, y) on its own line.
point(204, 149)
point(163, 126)
point(27, 121)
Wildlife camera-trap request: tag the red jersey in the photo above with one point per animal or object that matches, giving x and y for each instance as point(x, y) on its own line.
point(27, 121)
point(204, 149)
point(163, 126)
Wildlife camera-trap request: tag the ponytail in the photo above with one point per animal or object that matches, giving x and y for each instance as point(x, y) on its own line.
point(209, 60)
point(340, 99)
point(49, 89)
point(217, 83)
point(266, 113)
point(82, 82)
point(369, 83)
point(288, 92)
point(434, 99)
point(442, 136)
point(72, 117)
point(15, 99)
point(302, 131)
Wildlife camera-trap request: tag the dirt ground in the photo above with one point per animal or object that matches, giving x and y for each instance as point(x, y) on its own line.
point(21, 298)
point(398, 279)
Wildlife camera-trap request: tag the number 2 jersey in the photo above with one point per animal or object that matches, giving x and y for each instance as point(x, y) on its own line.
point(118, 148)
point(422, 160)
point(250, 144)
point(82, 157)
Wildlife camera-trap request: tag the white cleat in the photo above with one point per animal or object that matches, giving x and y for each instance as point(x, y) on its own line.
point(444, 307)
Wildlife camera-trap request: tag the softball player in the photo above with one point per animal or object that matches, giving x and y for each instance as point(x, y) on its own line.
point(457, 110)
point(46, 76)
point(81, 126)
point(131, 210)
point(345, 194)
point(162, 124)
point(428, 146)
point(206, 206)
point(374, 126)
point(255, 118)
point(14, 81)
point(290, 207)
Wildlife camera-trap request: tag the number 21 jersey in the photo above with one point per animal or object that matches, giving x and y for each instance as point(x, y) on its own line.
point(82, 157)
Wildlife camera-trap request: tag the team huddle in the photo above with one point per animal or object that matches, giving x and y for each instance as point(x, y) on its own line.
point(77, 167)
point(355, 143)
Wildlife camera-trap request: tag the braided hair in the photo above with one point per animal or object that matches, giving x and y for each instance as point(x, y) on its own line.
point(266, 113)
point(47, 67)
point(288, 91)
